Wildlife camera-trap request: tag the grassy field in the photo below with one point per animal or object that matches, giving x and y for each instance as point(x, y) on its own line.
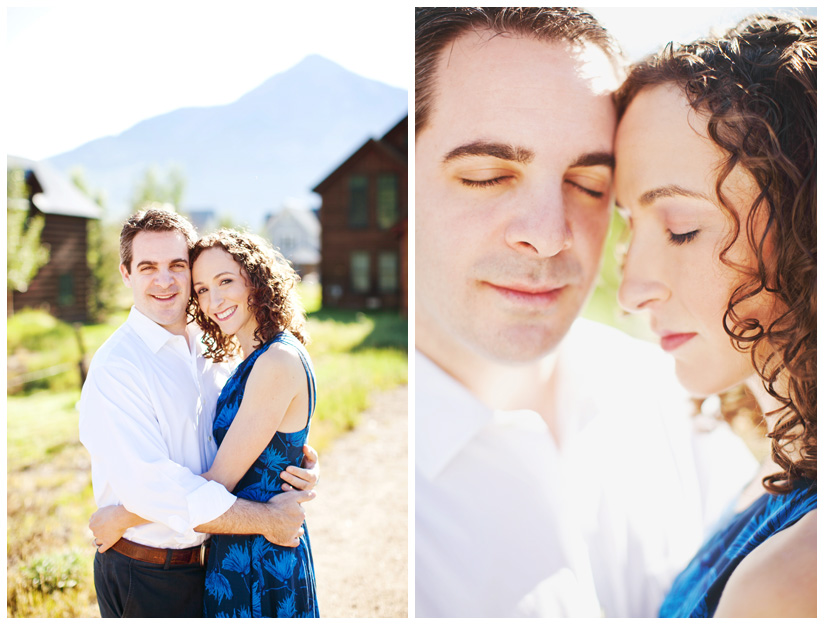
point(49, 488)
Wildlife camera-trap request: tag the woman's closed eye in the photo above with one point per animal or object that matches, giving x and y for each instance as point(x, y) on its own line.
point(682, 238)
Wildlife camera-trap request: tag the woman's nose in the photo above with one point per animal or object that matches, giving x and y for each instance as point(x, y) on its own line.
point(643, 281)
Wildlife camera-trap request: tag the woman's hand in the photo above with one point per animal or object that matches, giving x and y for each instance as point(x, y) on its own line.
point(304, 478)
point(109, 523)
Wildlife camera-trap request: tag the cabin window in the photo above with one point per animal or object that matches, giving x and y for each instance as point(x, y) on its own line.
point(387, 200)
point(388, 272)
point(359, 271)
point(358, 214)
point(65, 290)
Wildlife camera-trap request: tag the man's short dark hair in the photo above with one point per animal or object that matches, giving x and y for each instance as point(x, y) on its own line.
point(436, 27)
point(156, 219)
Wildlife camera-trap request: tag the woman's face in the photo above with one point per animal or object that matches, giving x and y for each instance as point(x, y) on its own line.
point(223, 291)
point(665, 183)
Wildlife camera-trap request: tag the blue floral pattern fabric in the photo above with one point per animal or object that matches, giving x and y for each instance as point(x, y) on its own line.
point(696, 591)
point(246, 575)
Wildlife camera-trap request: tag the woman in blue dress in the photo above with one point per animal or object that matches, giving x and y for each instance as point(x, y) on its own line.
point(716, 171)
point(248, 307)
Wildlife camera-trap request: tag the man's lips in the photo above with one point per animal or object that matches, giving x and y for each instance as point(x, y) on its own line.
point(164, 297)
point(528, 294)
point(670, 341)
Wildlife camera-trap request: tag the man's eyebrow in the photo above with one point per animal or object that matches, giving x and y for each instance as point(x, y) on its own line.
point(670, 191)
point(498, 150)
point(592, 159)
point(155, 263)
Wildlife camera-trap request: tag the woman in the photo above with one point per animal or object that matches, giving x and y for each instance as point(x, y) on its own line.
point(716, 170)
point(248, 307)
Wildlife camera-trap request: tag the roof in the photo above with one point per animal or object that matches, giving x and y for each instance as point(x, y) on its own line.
point(380, 144)
point(306, 218)
point(57, 194)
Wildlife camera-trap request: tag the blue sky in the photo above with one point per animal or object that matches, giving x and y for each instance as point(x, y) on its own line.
point(80, 70)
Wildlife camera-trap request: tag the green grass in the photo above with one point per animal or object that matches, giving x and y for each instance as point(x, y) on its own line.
point(49, 495)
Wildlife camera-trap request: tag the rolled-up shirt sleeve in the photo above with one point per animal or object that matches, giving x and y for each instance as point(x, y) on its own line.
point(130, 454)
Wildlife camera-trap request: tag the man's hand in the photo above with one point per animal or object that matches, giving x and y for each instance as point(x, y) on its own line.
point(304, 478)
point(288, 518)
point(108, 525)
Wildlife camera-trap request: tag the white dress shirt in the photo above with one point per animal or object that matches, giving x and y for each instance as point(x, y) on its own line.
point(146, 413)
point(510, 522)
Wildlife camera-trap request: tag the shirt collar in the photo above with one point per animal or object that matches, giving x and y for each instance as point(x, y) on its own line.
point(448, 416)
point(151, 333)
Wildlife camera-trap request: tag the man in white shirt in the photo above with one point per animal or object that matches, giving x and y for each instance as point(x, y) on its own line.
point(557, 472)
point(146, 413)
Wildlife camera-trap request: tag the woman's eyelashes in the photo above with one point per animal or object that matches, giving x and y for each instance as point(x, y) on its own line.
point(682, 238)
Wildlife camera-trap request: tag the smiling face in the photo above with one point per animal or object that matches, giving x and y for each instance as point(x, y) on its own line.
point(159, 278)
point(513, 183)
point(223, 292)
point(666, 170)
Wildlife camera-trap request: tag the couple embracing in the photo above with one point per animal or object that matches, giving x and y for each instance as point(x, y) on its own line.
point(196, 413)
point(558, 469)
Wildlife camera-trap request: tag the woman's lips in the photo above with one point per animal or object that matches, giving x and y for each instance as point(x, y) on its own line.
point(672, 341)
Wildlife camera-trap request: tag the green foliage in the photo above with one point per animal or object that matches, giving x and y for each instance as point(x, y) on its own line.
point(102, 255)
point(53, 572)
point(603, 305)
point(25, 254)
point(151, 189)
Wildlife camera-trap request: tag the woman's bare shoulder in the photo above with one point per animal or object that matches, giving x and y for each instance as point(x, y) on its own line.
point(777, 579)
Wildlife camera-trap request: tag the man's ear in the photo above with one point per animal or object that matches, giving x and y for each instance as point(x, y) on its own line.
point(124, 272)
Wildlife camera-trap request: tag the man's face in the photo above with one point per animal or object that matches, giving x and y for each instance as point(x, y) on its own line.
point(513, 184)
point(159, 278)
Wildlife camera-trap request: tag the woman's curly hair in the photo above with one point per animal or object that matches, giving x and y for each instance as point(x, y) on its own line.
point(273, 298)
point(756, 86)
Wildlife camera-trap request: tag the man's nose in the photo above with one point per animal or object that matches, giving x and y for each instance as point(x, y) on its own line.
point(164, 278)
point(539, 226)
point(643, 283)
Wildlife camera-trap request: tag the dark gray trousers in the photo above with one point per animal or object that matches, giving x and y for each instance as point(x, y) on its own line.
point(129, 588)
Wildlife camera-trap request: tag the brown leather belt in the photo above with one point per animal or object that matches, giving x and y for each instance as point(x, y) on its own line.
point(163, 556)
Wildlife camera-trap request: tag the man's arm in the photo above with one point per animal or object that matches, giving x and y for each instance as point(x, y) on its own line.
point(282, 517)
point(119, 427)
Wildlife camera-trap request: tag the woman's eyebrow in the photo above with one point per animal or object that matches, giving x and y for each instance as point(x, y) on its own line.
point(670, 191)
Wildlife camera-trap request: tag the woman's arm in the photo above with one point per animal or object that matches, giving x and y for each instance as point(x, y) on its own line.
point(777, 579)
point(275, 397)
point(110, 522)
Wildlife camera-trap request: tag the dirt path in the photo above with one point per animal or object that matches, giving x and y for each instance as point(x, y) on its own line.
point(358, 523)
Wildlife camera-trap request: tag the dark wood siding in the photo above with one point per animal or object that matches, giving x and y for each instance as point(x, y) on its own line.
point(62, 285)
point(339, 239)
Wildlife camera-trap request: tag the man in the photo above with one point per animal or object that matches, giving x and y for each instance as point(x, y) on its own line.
point(146, 413)
point(556, 471)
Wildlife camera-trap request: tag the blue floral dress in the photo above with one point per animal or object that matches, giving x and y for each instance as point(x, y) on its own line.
point(246, 575)
point(696, 591)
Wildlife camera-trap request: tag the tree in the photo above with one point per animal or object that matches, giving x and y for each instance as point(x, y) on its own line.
point(25, 254)
point(151, 189)
point(103, 254)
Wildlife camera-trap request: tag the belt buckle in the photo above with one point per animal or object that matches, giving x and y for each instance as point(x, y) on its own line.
point(202, 555)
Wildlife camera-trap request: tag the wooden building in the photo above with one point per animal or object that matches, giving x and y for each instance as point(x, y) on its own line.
point(63, 285)
point(363, 226)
